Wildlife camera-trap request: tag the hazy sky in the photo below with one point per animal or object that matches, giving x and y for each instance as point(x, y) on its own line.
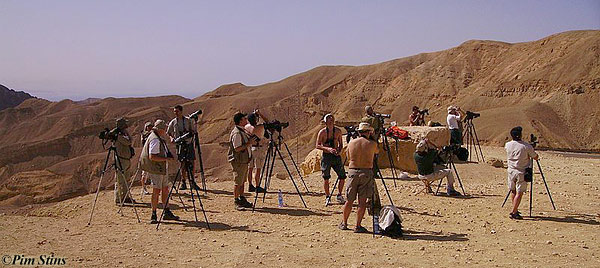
point(79, 49)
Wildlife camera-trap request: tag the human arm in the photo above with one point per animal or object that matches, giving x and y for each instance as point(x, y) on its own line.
point(154, 148)
point(239, 145)
point(320, 140)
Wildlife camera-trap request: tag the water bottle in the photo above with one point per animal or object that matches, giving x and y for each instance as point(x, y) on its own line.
point(376, 229)
point(280, 199)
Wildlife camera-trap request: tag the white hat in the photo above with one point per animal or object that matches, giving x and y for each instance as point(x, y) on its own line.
point(421, 146)
point(325, 117)
point(365, 127)
point(450, 108)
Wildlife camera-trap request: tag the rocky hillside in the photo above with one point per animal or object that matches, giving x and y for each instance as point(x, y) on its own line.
point(10, 98)
point(551, 87)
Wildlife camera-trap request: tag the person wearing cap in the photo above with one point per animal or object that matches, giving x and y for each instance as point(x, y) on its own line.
point(329, 140)
point(153, 160)
point(373, 122)
point(259, 149)
point(453, 120)
point(361, 180)
point(425, 157)
point(519, 155)
point(239, 155)
point(179, 126)
point(124, 154)
point(144, 136)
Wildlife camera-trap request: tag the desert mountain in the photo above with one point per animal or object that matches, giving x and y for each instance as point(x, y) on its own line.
point(550, 87)
point(10, 98)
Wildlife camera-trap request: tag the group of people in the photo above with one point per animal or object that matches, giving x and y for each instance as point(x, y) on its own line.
point(247, 149)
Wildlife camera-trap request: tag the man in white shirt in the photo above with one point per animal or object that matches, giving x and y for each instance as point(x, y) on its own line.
point(453, 120)
point(519, 155)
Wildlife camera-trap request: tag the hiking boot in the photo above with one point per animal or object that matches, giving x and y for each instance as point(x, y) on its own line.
point(452, 192)
point(343, 226)
point(169, 216)
point(153, 218)
point(515, 216)
point(260, 190)
point(244, 202)
point(251, 188)
point(340, 199)
point(183, 186)
point(360, 230)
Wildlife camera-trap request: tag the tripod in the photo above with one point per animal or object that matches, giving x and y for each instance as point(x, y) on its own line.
point(272, 153)
point(184, 163)
point(197, 144)
point(118, 168)
point(472, 140)
point(450, 165)
point(531, 189)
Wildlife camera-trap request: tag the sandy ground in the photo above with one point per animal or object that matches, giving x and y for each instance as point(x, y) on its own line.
point(439, 231)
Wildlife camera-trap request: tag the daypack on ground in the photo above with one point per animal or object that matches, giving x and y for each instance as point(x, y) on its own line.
point(390, 221)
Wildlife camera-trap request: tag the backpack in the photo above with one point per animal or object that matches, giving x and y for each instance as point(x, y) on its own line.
point(390, 221)
point(397, 133)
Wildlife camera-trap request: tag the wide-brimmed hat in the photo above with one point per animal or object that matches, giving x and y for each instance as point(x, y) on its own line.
point(450, 108)
point(122, 122)
point(148, 124)
point(365, 127)
point(421, 146)
point(160, 124)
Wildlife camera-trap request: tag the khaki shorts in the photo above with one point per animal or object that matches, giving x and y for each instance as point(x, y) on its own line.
point(158, 181)
point(240, 171)
point(360, 182)
point(258, 156)
point(516, 181)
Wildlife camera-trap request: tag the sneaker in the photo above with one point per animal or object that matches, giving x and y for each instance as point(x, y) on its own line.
point(340, 199)
point(515, 216)
point(170, 216)
point(244, 202)
point(251, 188)
point(153, 218)
point(360, 230)
point(260, 190)
point(343, 226)
point(238, 205)
point(183, 186)
point(452, 192)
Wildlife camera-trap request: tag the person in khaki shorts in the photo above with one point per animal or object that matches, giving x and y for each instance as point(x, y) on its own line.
point(360, 177)
point(519, 155)
point(239, 155)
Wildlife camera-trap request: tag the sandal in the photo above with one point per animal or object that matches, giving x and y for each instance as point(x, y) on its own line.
point(343, 226)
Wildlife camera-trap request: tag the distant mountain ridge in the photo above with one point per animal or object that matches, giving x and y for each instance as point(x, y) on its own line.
point(10, 98)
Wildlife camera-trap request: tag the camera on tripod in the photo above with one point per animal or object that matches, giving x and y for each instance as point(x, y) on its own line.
point(383, 115)
point(454, 149)
point(276, 125)
point(351, 133)
point(183, 146)
point(109, 135)
point(471, 115)
point(424, 112)
point(195, 115)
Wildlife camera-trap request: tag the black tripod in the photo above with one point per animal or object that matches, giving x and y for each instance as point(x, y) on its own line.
point(272, 153)
point(386, 148)
point(531, 189)
point(450, 165)
point(118, 168)
point(197, 144)
point(470, 135)
point(186, 164)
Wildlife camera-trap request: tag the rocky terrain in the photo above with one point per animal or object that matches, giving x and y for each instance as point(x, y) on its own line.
point(10, 98)
point(50, 150)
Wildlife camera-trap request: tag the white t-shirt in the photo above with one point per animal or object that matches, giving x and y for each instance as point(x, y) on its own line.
point(154, 146)
point(452, 121)
point(518, 154)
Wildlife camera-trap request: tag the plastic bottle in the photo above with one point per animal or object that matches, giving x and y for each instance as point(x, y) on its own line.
point(280, 199)
point(376, 228)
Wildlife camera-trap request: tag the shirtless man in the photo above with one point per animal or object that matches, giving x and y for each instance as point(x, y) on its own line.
point(329, 141)
point(361, 180)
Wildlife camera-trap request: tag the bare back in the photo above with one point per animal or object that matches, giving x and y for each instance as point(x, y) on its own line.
point(361, 152)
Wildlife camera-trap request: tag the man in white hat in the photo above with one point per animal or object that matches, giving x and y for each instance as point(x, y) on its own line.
point(425, 157)
point(361, 152)
point(329, 140)
point(453, 120)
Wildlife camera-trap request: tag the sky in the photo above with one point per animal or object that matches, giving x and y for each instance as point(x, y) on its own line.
point(81, 49)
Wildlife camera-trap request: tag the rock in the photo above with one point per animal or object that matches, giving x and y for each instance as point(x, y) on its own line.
point(495, 162)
